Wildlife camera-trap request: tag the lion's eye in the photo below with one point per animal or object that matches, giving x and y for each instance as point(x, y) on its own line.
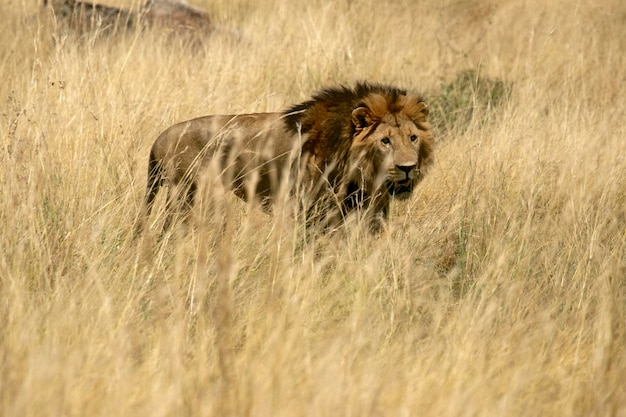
point(386, 141)
point(413, 138)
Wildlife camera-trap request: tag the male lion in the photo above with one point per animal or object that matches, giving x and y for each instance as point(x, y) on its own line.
point(345, 150)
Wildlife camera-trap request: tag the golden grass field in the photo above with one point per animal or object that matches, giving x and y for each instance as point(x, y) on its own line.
point(499, 289)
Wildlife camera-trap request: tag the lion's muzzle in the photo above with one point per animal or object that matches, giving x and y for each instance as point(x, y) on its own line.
point(400, 189)
point(401, 180)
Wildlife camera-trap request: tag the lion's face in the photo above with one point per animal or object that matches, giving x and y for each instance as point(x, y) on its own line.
point(395, 146)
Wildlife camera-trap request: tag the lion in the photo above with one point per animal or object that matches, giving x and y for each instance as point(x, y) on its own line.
point(346, 150)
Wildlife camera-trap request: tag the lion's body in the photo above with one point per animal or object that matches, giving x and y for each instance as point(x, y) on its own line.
point(344, 150)
point(258, 144)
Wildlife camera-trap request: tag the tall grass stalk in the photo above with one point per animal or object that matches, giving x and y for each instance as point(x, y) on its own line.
point(498, 289)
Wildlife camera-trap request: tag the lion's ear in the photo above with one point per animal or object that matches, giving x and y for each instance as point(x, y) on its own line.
point(421, 111)
point(362, 118)
point(423, 108)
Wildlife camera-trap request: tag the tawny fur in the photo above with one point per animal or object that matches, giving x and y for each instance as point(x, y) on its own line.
point(346, 150)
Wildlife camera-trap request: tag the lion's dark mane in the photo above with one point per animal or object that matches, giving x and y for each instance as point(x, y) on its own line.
point(327, 119)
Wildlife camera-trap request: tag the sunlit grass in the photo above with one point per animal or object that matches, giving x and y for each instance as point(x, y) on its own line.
point(498, 289)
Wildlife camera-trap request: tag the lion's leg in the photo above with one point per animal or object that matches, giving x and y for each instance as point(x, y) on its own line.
point(170, 204)
point(179, 203)
point(190, 196)
point(378, 214)
point(324, 215)
point(377, 223)
point(155, 180)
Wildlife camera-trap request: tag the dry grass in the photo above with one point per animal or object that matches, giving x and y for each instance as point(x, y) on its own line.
point(500, 288)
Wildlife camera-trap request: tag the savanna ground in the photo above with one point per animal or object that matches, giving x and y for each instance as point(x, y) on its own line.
point(499, 289)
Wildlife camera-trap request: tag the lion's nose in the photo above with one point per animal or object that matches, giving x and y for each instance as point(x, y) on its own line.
point(406, 169)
